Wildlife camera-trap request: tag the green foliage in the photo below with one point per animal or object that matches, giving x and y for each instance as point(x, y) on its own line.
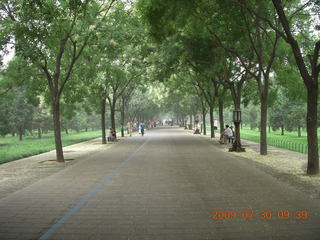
point(16, 112)
point(287, 74)
point(142, 106)
point(288, 113)
point(4, 116)
point(198, 47)
point(165, 16)
point(250, 116)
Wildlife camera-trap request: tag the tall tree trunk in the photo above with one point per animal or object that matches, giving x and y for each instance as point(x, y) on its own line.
point(112, 115)
point(20, 133)
point(236, 146)
point(221, 119)
point(66, 129)
point(282, 130)
point(204, 121)
point(211, 121)
point(57, 130)
point(122, 118)
point(103, 121)
point(263, 126)
point(39, 133)
point(299, 131)
point(312, 107)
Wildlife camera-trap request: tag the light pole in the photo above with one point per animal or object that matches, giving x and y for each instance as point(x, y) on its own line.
point(236, 146)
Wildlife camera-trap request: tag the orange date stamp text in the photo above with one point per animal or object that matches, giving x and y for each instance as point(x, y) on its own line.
point(281, 214)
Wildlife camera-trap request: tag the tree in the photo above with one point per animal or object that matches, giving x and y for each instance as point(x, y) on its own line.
point(41, 116)
point(262, 43)
point(5, 36)
point(199, 21)
point(118, 63)
point(124, 104)
point(144, 105)
point(235, 84)
point(307, 61)
point(296, 117)
point(50, 35)
point(278, 114)
point(5, 125)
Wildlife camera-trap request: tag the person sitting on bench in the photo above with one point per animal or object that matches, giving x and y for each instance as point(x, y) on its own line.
point(112, 135)
point(226, 135)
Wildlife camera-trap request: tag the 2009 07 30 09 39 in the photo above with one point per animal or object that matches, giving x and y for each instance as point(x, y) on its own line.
point(262, 214)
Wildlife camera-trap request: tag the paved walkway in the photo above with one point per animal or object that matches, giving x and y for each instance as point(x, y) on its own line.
point(288, 165)
point(165, 185)
point(18, 174)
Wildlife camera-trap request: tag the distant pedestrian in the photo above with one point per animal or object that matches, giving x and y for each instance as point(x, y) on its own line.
point(142, 126)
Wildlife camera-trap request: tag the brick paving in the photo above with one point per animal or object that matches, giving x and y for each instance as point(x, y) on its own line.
point(161, 186)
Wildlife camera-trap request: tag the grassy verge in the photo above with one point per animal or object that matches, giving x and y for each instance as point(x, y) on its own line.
point(11, 148)
point(289, 140)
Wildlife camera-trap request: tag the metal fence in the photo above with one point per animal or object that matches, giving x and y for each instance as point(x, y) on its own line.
point(294, 146)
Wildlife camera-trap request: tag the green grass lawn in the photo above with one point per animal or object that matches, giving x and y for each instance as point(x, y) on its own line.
point(11, 148)
point(289, 140)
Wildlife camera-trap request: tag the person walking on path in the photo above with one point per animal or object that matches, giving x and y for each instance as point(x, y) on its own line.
point(142, 126)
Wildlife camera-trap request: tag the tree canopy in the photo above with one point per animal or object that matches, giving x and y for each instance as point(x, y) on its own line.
point(116, 61)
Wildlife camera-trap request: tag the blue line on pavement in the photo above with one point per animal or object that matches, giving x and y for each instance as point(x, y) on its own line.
point(104, 182)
